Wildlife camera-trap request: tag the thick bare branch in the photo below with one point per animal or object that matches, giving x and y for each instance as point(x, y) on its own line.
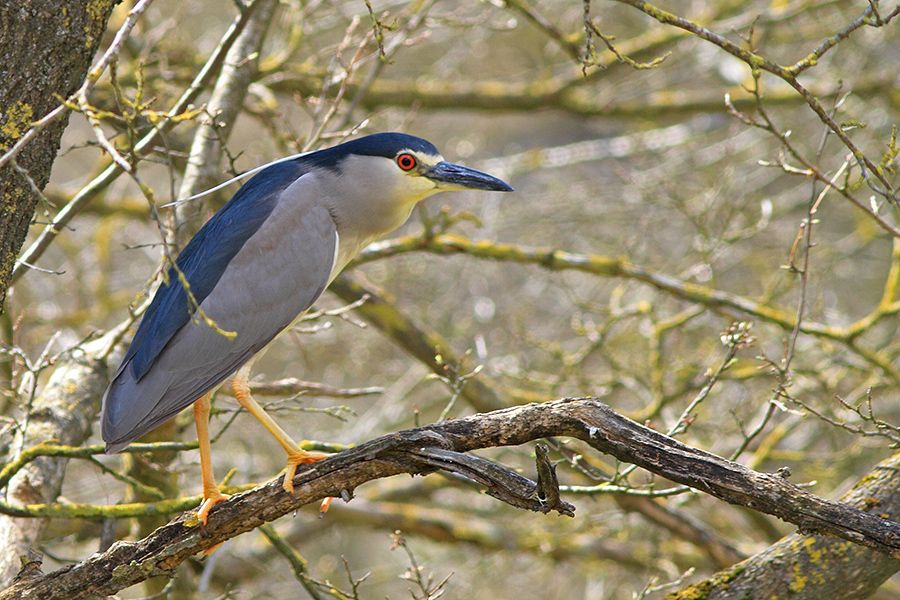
point(422, 450)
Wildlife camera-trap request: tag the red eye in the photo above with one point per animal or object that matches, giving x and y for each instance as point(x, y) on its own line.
point(407, 162)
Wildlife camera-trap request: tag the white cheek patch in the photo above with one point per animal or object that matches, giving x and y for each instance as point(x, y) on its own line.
point(428, 159)
point(422, 186)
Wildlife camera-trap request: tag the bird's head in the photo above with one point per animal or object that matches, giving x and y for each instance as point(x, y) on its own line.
point(408, 168)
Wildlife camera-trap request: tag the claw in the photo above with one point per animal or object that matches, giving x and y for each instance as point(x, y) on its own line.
point(295, 459)
point(210, 499)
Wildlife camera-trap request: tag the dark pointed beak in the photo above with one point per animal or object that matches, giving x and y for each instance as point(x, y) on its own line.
point(458, 177)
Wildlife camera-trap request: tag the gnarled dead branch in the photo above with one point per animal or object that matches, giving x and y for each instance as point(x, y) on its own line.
point(422, 450)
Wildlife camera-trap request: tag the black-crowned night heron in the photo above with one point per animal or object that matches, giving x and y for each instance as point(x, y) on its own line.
point(254, 268)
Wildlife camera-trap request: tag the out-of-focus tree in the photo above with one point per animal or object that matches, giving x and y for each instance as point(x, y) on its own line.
point(705, 236)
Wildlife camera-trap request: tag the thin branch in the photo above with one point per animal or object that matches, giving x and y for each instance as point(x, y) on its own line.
point(292, 386)
point(609, 266)
point(427, 346)
point(298, 564)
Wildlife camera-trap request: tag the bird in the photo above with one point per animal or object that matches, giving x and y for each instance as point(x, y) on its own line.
point(253, 269)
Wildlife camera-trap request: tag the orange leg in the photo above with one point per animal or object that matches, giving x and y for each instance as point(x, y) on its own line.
point(211, 493)
point(295, 455)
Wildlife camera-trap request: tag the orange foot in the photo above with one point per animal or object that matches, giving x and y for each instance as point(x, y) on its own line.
point(295, 459)
point(210, 499)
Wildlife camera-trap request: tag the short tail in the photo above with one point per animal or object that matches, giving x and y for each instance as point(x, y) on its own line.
point(127, 404)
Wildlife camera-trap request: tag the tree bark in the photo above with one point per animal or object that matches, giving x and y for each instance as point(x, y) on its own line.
point(46, 47)
point(815, 566)
point(442, 446)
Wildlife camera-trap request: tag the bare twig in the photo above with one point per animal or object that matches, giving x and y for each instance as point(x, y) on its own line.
point(757, 62)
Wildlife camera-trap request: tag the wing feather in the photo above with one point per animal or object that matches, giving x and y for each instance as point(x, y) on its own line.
point(276, 275)
point(204, 260)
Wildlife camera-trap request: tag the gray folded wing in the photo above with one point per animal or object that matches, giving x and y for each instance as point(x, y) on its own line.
point(279, 273)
